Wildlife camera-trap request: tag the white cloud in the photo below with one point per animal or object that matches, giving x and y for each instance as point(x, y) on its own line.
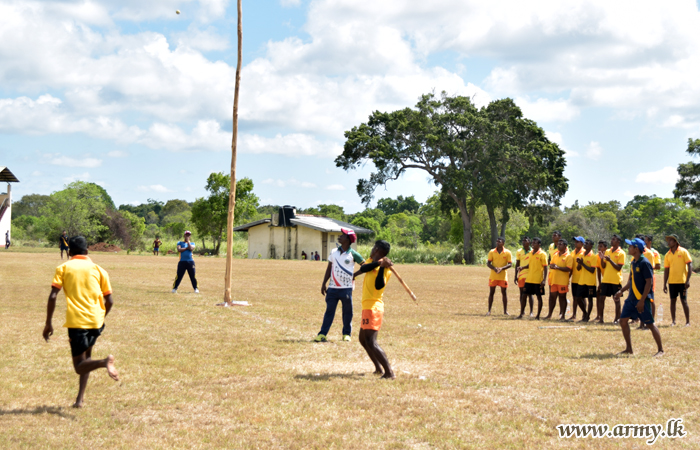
point(335, 187)
point(81, 177)
point(36, 173)
point(289, 183)
point(543, 110)
point(65, 161)
point(559, 140)
point(594, 151)
point(117, 154)
point(290, 3)
point(153, 188)
point(667, 175)
point(290, 145)
point(628, 194)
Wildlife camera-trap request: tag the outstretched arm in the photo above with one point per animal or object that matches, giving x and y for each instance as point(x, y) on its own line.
point(50, 307)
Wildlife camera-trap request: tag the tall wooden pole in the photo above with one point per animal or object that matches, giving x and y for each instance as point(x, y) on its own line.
point(234, 143)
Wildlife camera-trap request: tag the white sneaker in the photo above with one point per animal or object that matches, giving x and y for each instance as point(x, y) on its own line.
point(196, 291)
point(174, 291)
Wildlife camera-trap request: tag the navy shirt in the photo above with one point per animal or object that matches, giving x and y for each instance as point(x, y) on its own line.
point(641, 270)
point(187, 254)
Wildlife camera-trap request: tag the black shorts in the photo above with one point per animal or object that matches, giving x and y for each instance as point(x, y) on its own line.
point(609, 289)
point(64, 248)
point(675, 290)
point(534, 289)
point(584, 291)
point(83, 338)
point(574, 289)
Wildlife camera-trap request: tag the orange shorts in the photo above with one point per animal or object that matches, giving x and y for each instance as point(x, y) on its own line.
point(559, 288)
point(521, 282)
point(501, 283)
point(371, 319)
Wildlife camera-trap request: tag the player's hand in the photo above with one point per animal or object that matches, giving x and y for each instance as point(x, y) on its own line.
point(48, 331)
point(323, 289)
point(607, 258)
point(665, 289)
point(385, 263)
point(687, 285)
point(640, 306)
point(579, 260)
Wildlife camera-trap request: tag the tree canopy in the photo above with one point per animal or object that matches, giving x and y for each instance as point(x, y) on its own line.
point(490, 156)
point(688, 185)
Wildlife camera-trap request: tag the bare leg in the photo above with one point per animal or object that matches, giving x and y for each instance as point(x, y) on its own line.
point(618, 311)
point(504, 295)
point(523, 303)
point(624, 324)
point(575, 309)
point(492, 291)
point(363, 341)
point(371, 336)
point(552, 303)
point(657, 337)
point(539, 305)
point(562, 306)
point(686, 310)
point(531, 304)
point(590, 309)
point(673, 311)
point(581, 301)
point(84, 364)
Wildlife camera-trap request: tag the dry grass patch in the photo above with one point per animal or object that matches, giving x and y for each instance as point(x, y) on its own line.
point(197, 376)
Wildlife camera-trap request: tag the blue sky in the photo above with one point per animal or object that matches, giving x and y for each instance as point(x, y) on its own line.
point(130, 95)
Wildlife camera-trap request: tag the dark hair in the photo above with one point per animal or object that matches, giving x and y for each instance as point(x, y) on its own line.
point(525, 238)
point(383, 246)
point(501, 238)
point(563, 241)
point(558, 233)
point(588, 241)
point(605, 243)
point(618, 237)
point(650, 237)
point(639, 236)
point(536, 239)
point(78, 245)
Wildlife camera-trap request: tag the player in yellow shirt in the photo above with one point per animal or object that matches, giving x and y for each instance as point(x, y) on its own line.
point(377, 273)
point(561, 265)
point(576, 275)
point(522, 259)
point(586, 289)
point(600, 300)
point(89, 300)
point(656, 263)
point(500, 259)
point(536, 276)
point(553, 248)
point(611, 266)
point(678, 267)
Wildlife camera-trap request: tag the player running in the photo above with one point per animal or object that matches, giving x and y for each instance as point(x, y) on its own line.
point(88, 300)
point(678, 267)
point(522, 259)
point(500, 259)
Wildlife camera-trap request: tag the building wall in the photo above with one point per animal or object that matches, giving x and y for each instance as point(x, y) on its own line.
point(268, 242)
point(6, 221)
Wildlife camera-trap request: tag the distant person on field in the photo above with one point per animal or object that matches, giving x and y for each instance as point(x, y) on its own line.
point(522, 259)
point(186, 263)
point(318, 257)
point(561, 265)
point(536, 276)
point(303, 255)
point(553, 249)
point(63, 243)
point(638, 304)
point(576, 273)
point(678, 267)
point(156, 246)
point(7, 240)
point(500, 259)
point(88, 299)
point(377, 273)
point(611, 266)
point(338, 278)
point(589, 267)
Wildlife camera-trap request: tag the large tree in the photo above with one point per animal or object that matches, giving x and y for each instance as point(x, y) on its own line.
point(688, 185)
point(464, 149)
point(79, 209)
point(210, 215)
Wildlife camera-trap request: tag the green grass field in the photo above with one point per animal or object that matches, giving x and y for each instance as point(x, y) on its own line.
point(198, 376)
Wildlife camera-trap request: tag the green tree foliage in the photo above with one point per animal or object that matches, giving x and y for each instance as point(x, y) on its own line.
point(79, 209)
point(402, 229)
point(27, 227)
point(29, 205)
point(210, 214)
point(470, 154)
point(332, 211)
point(127, 227)
point(688, 185)
point(391, 206)
point(145, 209)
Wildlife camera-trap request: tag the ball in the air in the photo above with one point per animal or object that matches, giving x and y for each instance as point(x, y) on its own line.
point(177, 11)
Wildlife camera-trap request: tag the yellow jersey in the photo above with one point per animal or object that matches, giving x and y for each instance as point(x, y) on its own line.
point(610, 275)
point(85, 284)
point(677, 265)
point(499, 260)
point(576, 274)
point(371, 297)
point(566, 260)
point(538, 261)
point(524, 258)
point(588, 278)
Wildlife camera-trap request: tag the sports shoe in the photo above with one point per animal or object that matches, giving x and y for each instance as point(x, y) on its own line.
point(321, 338)
point(174, 291)
point(196, 291)
point(346, 337)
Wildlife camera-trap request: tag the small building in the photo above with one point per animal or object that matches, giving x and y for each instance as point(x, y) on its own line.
point(286, 234)
point(6, 203)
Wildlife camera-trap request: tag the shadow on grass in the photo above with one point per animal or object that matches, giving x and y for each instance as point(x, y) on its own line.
point(329, 376)
point(598, 356)
point(299, 341)
point(55, 410)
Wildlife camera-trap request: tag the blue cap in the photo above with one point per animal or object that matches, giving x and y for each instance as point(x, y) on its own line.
point(637, 243)
point(580, 239)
